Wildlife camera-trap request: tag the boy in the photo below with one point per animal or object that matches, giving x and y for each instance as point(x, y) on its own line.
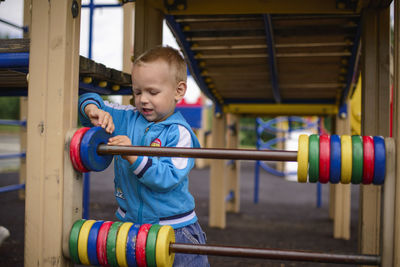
point(152, 189)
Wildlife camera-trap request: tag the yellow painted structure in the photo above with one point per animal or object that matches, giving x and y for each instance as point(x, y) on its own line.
point(281, 109)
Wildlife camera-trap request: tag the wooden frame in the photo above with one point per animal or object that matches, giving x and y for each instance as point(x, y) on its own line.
point(52, 109)
point(375, 116)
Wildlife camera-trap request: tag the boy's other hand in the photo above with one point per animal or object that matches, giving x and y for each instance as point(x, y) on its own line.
point(119, 140)
point(99, 117)
point(122, 140)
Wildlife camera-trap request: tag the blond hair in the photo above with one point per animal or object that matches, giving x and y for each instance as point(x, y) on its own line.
point(168, 54)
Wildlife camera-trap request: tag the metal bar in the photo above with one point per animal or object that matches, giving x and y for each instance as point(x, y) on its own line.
point(13, 122)
point(101, 5)
point(272, 58)
point(14, 60)
point(24, 28)
point(91, 14)
point(211, 153)
point(11, 156)
point(274, 254)
point(10, 188)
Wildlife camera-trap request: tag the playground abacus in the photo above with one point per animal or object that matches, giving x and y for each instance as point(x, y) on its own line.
point(335, 159)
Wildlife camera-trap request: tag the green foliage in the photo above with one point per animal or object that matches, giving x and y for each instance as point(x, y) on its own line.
point(9, 108)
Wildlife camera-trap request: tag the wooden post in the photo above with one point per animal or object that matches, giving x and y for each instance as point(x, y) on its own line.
point(23, 112)
point(332, 201)
point(375, 116)
point(396, 130)
point(148, 27)
point(201, 133)
point(127, 50)
point(342, 192)
point(52, 109)
point(217, 177)
point(281, 125)
point(23, 107)
point(233, 170)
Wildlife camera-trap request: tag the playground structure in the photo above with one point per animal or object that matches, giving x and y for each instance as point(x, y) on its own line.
point(52, 194)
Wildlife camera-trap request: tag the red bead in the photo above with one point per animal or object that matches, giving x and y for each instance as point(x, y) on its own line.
point(102, 243)
point(324, 158)
point(369, 159)
point(141, 245)
point(74, 149)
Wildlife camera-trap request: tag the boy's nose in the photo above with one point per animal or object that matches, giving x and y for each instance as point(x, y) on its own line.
point(144, 99)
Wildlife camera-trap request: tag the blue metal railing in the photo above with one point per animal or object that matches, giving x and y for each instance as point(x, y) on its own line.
point(15, 187)
point(9, 23)
point(268, 126)
point(13, 122)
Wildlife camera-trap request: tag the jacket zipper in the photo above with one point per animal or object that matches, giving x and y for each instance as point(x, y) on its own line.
point(139, 184)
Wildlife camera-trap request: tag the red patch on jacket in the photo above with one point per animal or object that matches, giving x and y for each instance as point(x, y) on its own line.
point(156, 142)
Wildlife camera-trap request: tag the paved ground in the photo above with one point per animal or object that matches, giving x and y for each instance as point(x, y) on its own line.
point(285, 217)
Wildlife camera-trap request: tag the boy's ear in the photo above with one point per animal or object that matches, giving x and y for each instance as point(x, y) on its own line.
point(180, 91)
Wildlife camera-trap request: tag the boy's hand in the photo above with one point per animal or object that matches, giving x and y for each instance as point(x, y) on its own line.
point(99, 117)
point(122, 140)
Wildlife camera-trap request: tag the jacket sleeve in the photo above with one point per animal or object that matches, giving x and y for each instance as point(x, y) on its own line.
point(163, 174)
point(117, 112)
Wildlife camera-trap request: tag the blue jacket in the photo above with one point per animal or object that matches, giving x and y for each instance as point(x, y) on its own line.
point(152, 189)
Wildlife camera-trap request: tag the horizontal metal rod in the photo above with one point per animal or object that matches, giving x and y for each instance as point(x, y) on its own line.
point(205, 153)
point(274, 254)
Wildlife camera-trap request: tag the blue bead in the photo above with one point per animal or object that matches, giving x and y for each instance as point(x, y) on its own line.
point(335, 160)
point(90, 141)
point(380, 160)
point(92, 243)
point(131, 245)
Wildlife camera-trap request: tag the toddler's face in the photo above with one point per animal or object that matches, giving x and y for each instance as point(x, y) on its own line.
point(155, 90)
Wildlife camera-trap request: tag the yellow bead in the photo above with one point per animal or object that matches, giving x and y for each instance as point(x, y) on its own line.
point(165, 236)
point(122, 237)
point(347, 159)
point(83, 240)
point(302, 159)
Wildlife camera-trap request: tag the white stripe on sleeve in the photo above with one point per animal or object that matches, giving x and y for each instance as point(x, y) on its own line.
point(141, 166)
point(185, 140)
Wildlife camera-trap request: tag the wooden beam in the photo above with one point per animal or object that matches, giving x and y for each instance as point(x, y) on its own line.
point(396, 130)
point(127, 49)
point(197, 47)
point(217, 216)
point(375, 116)
point(281, 109)
point(148, 27)
point(23, 105)
point(52, 109)
point(342, 192)
point(194, 7)
point(232, 172)
point(202, 134)
point(23, 116)
point(279, 55)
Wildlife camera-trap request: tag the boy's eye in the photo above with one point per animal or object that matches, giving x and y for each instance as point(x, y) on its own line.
point(153, 92)
point(137, 92)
